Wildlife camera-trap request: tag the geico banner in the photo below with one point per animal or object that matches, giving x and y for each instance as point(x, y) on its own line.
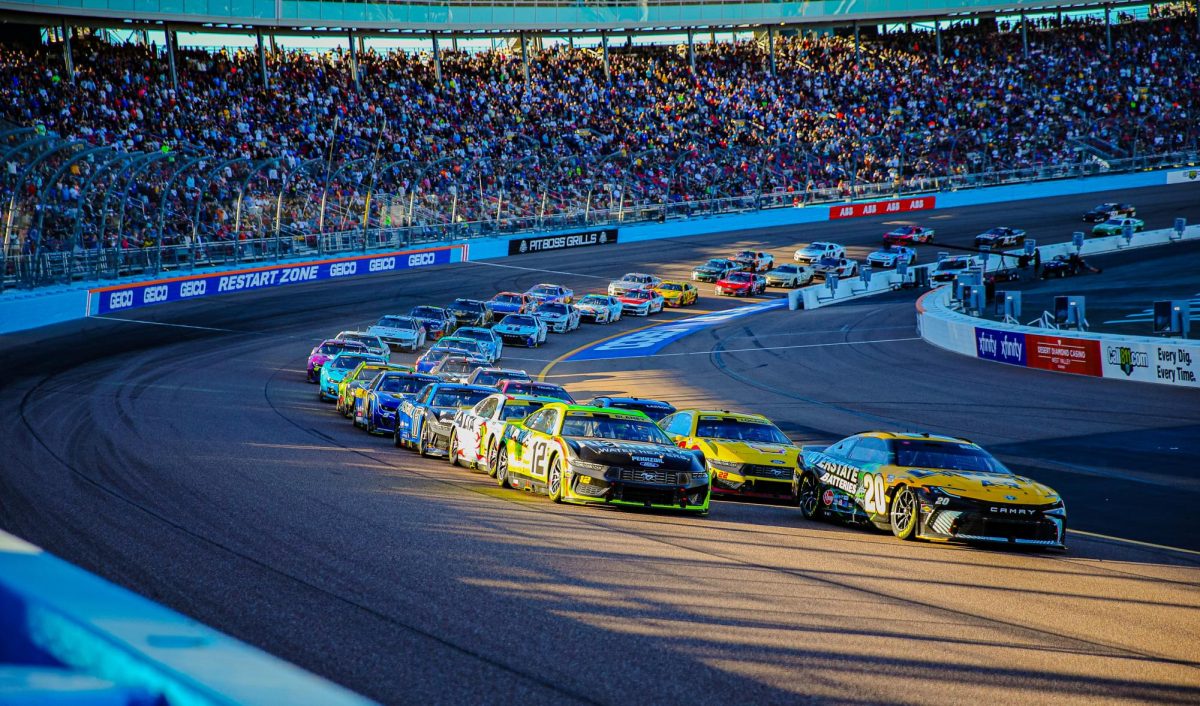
point(882, 208)
point(1168, 363)
point(1184, 176)
point(144, 293)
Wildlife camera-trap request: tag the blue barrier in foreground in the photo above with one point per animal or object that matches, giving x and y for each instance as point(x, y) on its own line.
point(68, 637)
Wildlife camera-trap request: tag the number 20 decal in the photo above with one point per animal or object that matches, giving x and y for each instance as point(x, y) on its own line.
point(874, 494)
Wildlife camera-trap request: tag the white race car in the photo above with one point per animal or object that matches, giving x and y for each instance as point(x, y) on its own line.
point(951, 267)
point(559, 317)
point(839, 266)
point(891, 256)
point(402, 331)
point(642, 302)
point(522, 328)
point(813, 252)
point(788, 275)
point(600, 308)
point(374, 344)
point(632, 281)
point(475, 437)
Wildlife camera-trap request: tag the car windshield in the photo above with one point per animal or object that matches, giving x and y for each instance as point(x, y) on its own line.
point(786, 269)
point(953, 264)
point(507, 298)
point(397, 322)
point(638, 294)
point(466, 305)
point(524, 321)
point(545, 289)
point(519, 410)
point(716, 264)
point(333, 348)
point(739, 277)
point(654, 411)
point(538, 389)
point(365, 373)
point(616, 428)
point(673, 287)
point(491, 377)
point(1114, 222)
point(553, 309)
point(594, 299)
point(427, 312)
point(473, 335)
point(348, 361)
point(740, 430)
point(402, 384)
point(637, 279)
point(460, 366)
point(956, 456)
point(829, 262)
point(817, 247)
point(459, 343)
point(435, 355)
point(459, 397)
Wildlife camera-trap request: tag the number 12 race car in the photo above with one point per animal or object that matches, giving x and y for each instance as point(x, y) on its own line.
point(923, 486)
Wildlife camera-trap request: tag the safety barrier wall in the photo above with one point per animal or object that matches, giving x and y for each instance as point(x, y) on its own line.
point(67, 636)
point(1139, 358)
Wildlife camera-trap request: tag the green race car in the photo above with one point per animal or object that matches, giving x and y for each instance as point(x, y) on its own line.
point(1116, 226)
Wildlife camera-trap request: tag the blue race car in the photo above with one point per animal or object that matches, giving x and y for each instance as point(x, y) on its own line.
point(522, 328)
point(437, 321)
point(550, 293)
point(600, 308)
point(376, 410)
point(424, 422)
point(338, 367)
point(510, 303)
point(491, 341)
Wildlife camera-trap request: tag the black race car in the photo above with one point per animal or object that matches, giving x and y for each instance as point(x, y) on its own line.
point(471, 312)
point(1002, 235)
point(655, 409)
point(1060, 266)
point(1105, 211)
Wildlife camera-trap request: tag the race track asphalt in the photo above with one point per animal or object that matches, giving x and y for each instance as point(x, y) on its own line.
point(183, 455)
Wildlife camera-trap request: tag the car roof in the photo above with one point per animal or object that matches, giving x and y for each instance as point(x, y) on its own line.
point(726, 414)
point(612, 411)
point(915, 436)
point(636, 400)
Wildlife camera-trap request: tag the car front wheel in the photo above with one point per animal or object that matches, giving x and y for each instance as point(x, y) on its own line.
point(905, 513)
point(502, 469)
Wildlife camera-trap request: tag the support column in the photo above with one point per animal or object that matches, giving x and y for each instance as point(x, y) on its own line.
point(571, 42)
point(68, 57)
point(1108, 28)
point(525, 57)
point(454, 44)
point(692, 50)
point(937, 33)
point(437, 60)
point(604, 53)
point(771, 50)
point(262, 59)
point(1024, 36)
point(353, 60)
point(857, 45)
point(172, 45)
point(713, 36)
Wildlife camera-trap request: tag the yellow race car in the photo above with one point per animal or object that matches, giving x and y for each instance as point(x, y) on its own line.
point(677, 293)
point(925, 486)
point(354, 385)
point(746, 454)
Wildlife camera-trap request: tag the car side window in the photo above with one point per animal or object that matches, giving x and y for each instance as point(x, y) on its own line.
point(426, 393)
point(486, 407)
point(842, 448)
point(539, 421)
point(870, 450)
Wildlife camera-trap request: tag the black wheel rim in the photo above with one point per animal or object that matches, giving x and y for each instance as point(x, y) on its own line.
point(502, 469)
point(808, 495)
point(555, 481)
point(903, 511)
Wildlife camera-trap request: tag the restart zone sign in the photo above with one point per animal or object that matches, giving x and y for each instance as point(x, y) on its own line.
point(882, 208)
point(122, 297)
point(587, 239)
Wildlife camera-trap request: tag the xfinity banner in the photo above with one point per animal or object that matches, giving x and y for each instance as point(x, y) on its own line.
point(1001, 346)
point(521, 246)
point(121, 297)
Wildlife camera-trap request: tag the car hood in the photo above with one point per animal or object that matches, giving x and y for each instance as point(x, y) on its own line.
point(985, 487)
point(632, 454)
point(510, 328)
point(389, 331)
point(762, 454)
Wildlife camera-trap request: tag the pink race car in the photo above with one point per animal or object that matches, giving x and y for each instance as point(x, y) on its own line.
point(326, 350)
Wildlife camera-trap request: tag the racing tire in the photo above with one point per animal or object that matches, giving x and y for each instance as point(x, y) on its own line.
point(905, 513)
point(489, 460)
point(422, 444)
point(451, 450)
point(502, 469)
point(396, 441)
point(808, 497)
point(554, 481)
point(370, 425)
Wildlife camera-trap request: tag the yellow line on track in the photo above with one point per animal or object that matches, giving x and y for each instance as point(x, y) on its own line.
point(546, 370)
point(1150, 545)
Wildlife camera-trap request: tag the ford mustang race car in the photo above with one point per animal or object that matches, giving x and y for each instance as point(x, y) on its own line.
point(558, 317)
point(891, 255)
point(492, 344)
point(1116, 226)
point(813, 252)
point(437, 321)
point(522, 328)
point(400, 331)
point(374, 344)
point(430, 358)
point(907, 235)
point(746, 454)
point(547, 390)
point(1000, 236)
point(632, 281)
point(376, 410)
point(457, 368)
point(600, 308)
point(325, 350)
point(839, 266)
point(641, 302)
point(492, 376)
point(547, 293)
point(789, 275)
point(354, 385)
point(951, 267)
point(510, 303)
point(754, 260)
point(470, 312)
point(584, 454)
point(475, 438)
point(424, 422)
point(928, 487)
point(1105, 211)
point(714, 270)
point(469, 345)
point(677, 293)
point(338, 367)
point(655, 409)
point(741, 284)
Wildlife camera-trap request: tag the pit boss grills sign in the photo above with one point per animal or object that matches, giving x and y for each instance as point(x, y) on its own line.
point(521, 246)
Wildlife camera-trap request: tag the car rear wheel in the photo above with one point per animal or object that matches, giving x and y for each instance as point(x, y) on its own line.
point(502, 469)
point(371, 428)
point(396, 441)
point(490, 460)
point(905, 513)
point(424, 441)
point(452, 448)
point(809, 497)
point(554, 481)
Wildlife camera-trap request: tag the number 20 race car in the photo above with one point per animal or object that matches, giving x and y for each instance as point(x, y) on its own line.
point(923, 486)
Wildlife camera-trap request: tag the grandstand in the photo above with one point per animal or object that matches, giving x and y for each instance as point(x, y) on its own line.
point(139, 156)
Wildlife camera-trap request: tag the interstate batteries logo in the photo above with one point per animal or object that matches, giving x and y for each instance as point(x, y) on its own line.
point(521, 246)
point(1127, 359)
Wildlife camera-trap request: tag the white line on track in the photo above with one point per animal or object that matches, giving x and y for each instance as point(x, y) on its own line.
point(1149, 545)
point(163, 323)
point(538, 269)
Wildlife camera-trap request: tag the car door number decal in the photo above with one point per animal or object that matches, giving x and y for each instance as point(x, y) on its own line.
point(874, 495)
point(538, 460)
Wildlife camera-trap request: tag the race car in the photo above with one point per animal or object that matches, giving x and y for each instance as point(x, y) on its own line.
point(788, 275)
point(1105, 211)
point(430, 358)
point(490, 341)
point(492, 376)
point(470, 312)
point(951, 267)
point(1116, 226)
point(599, 308)
point(632, 281)
point(510, 303)
point(522, 328)
point(374, 344)
point(536, 388)
point(741, 284)
point(580, 454)
point(714, 270)
point(1061, 266)
point(677, 293)
point(753, 260)
point(1000, 236)
point(746, 455)
point(1007, 274)
point(907, 235)
point(457, 368)
point(437, 321)
point(323, 351)
point(839, 266)
point(925, 486)
point(338, 367)
point(354, 384)
point(470, 346)
point(475, 438)
point(424, 422)
point(655, 409)
point(376, 409)
point(558, 317)
point(547, 293)
point(641, 302)
point(815, 252)
point(892, 255)
point(400, 331)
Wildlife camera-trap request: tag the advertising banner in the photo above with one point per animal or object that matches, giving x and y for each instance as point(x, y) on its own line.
point(1080, 356)
point(122, 297)
point(1184, 176)
point(1001, 346)
point(882, 208)
point(545, 243)
point(1169, 363)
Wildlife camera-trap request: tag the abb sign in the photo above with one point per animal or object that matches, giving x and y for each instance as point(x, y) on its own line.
point(881, 208)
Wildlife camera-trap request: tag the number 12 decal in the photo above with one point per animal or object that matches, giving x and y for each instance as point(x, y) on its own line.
point(874, 494)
